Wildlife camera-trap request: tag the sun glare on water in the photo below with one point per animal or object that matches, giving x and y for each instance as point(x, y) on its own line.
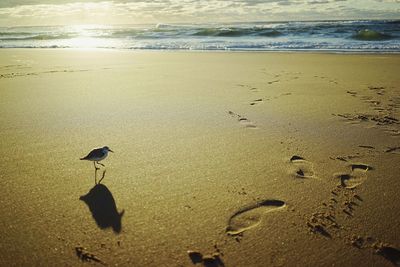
point(88, 36)
point(85, 42)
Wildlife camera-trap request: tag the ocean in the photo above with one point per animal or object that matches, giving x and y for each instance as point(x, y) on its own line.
point(341, 36)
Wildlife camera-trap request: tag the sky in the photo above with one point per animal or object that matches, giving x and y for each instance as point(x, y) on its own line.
point(81, 12)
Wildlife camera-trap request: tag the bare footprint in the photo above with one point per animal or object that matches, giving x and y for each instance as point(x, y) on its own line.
point(256, 101)
point(247, 123)
point(302, 168)
point(242, 120)
point(355, 177)
point(394, 150)
point(251, 216)
point(385, 250)
point(352, 93)
point(275, 81)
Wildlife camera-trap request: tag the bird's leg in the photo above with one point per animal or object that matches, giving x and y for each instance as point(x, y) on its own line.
point(94, 164)
point(95, 172)
point(100, 163)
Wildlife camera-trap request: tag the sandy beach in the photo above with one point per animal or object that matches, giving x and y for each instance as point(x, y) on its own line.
point(221, 158)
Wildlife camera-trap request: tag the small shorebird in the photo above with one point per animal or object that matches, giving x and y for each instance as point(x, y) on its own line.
point(97, 155)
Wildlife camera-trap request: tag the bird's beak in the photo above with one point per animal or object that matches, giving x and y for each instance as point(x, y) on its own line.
point(110, 150)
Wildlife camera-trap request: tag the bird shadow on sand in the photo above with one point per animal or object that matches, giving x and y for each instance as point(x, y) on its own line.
point(102, 205)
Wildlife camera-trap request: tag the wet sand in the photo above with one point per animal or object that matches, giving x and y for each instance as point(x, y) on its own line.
point(235, 159)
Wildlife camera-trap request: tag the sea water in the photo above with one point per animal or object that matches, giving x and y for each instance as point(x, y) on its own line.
point(344, 36)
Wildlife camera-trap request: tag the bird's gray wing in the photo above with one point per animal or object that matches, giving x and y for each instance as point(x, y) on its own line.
point(95, 153)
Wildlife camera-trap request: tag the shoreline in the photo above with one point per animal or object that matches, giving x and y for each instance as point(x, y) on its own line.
point(305, 51)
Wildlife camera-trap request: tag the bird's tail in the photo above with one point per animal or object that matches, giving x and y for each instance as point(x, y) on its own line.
point(82, 158)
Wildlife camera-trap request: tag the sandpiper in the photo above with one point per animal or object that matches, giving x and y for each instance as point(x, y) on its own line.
point(97, 155)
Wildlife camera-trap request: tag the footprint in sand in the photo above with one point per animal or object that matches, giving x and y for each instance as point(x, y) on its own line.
point(275, 81)
point(256, 101)
point(251, 216)
point(355, 177)
point(352, 93)
point(379, 90)
point(383, 249)
point(247, 123)
point(301, 167)
point(394, 150)
point(242, 120)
